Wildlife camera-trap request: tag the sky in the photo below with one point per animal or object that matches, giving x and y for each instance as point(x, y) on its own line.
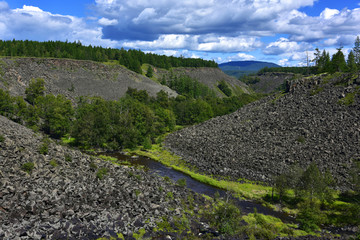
point(285, 32)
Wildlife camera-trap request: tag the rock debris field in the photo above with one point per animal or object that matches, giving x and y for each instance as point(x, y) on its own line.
point(62, 197)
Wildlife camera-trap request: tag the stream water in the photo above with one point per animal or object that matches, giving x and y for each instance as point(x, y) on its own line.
point(199, 187)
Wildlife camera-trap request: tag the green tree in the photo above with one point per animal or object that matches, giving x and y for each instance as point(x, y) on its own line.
point(225, 88)
point(338, 63)
point(281, 185)
point(36, 89)
point(351, 63)
point(356, 51)
point(56, 112)
point(150, 72)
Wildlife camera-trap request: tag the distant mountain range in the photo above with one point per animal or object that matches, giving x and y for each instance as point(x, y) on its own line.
point(239, 68)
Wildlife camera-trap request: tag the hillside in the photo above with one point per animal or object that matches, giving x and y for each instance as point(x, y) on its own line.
point(208, 76)
point(316, 121)
point(240, 68)
point(268, 82)
point(70, 195)
point(74, 78)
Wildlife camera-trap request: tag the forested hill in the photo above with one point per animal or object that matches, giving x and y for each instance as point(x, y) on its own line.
point(240, 68)
point(132, 59)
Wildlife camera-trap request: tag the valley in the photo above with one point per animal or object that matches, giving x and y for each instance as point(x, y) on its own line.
point(278, 166)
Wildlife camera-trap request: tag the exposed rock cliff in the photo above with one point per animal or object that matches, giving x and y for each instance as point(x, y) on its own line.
point(317, 121)
point(74, 78)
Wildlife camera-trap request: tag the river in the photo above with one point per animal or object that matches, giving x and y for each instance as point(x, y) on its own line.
point(155, 167)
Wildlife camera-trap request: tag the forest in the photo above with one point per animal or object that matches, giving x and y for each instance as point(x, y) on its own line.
point(132, 59)
point(136, 119)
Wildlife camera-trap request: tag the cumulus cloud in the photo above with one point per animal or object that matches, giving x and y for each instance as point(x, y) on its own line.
point(107, 22)
point(149, 20)
point(241, 57)
point(30, 22)
point(281, 46)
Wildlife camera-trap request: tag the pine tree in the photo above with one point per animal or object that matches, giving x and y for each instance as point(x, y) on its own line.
point(351, 64)
point(338, 63)
point(149, 72)
point(356, 50)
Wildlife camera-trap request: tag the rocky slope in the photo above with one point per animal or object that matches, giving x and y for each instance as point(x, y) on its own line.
point(62, 197)
point(318, 120)
point(208, 76)
point(74, 78)
point(269, 82)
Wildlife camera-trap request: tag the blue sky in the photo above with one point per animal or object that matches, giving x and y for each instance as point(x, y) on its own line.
point(280, 31)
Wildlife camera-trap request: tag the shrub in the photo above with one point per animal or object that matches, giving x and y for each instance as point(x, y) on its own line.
point(53, 163)
point(181, 182)
point(68, 158)
point(147, 144)
point(301, 139)
point(101, 173)
point(2, 138)
point(226, 217)
point(310, 216)
point(28, 167)
point(169, 195)
point(93, 166)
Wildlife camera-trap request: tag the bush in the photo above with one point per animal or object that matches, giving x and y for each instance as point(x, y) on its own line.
point(147, 144)
point(2, 138)
point(226, 217)
point(28, 167)
point(181, 182)
point(53, 163)
point(310, 216)
point(68, 158)
point(101, 173)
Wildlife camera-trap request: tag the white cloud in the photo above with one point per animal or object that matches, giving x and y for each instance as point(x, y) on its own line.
point(107, 22)
point(32, 23)
point(241, 57)
point(329, 13)
point(282, 45)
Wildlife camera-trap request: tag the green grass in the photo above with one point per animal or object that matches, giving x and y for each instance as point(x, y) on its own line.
point(269, 227)
point(349, 98)
point(243, 190)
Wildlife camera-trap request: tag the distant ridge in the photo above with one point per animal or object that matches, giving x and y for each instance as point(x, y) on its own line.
point(239, 68)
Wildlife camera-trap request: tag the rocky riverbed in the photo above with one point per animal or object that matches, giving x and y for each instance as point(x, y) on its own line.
point(70, 195)
point(317, 120)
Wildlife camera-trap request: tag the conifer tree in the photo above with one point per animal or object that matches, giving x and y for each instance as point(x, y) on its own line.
point(356, 50)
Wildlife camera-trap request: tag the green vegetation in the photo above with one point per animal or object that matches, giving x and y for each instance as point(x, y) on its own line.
point(246, 190)
point(181, 182)
point(28, 167)
point(323, 62)
point(53, 163)
point(68, 158)
point(133, 120)
point(100, 174)
point(131, 59)
point(225, 88)
point(349, 98)
point(44, 148)
point(2, 138)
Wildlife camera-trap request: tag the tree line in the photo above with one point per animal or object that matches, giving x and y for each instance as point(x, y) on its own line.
point(133, 120)
point(324, 63)
point(132, 59)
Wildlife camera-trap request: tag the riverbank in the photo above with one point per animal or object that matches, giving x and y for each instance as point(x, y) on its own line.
point(335, 214)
